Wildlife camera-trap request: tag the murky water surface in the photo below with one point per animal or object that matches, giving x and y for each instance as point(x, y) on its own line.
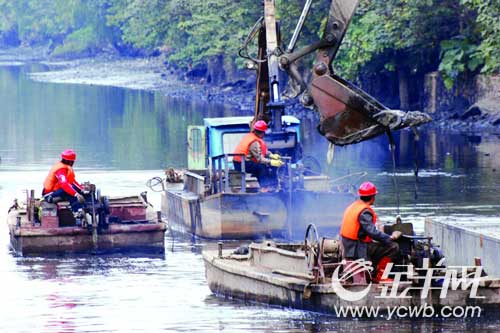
point(125, 137)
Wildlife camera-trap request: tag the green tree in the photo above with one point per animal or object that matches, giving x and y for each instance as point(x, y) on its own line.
point(39, 21)
point(212, 28)
point(143, 24)
point(402, 38)
point(89, 32)
point(399, 36)
point(488, 23)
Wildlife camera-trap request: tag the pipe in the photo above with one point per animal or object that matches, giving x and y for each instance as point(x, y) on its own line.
point(392, 147)
point(219, 247)
point(94, 223)
point(300, 24)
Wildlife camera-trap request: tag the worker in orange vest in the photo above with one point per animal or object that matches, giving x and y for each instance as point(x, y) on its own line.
point(257, 157)
point(61, 183)
point(358, 231)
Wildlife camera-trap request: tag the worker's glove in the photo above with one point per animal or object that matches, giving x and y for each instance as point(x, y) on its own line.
point(396, 234)
point(274, 156)
point(277, 163)
point(80, 198)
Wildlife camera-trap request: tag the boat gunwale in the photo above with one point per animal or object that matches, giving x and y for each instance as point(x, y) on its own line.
point(465, 230)
point(267, 277)
point(76, 231)
point(276, 249)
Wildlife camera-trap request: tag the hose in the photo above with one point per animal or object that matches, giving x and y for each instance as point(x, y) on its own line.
point(416, 139)
point(153, 183)
point(243, 51)
point(361, 174)
point(392, 147)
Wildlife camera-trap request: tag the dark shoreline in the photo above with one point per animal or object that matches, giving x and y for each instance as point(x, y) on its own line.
point(150, 74)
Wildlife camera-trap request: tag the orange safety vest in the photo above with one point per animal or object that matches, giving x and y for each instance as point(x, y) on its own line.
point(244, 146)
point(51, 183)
point(350, 223)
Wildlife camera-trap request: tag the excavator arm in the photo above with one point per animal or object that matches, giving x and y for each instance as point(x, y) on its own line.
point(268, 104)
point(347, 113)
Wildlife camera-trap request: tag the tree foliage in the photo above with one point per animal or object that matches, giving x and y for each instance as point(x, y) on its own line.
point(54, 22)
point(143, 24)
point(414, 36)
point(38, 21)
point(188, 31)
point(487, 29)
point(395, 34)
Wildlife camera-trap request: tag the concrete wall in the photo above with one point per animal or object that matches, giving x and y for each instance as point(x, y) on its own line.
point(487, 86)
point(436, 98)
point(460, 246)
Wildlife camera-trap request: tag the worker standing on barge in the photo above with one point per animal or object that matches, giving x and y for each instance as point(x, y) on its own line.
point(257, 157)
point(358, 231)
point(61, 182)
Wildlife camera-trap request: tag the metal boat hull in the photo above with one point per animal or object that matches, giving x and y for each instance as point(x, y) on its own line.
point(273, 276)
point(254, 215)
point(143, 238)
point(52, 229)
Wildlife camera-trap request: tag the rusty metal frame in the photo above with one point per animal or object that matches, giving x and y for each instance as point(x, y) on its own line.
point(220, 184)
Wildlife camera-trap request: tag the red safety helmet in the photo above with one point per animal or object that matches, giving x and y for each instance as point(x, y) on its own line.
point(367, 189)
point(68, 155)
point(260, 125)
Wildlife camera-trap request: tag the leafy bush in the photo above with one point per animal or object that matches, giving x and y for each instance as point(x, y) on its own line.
point(488, 29)
point(386, 35)
point(458, 56)
point(79, 42)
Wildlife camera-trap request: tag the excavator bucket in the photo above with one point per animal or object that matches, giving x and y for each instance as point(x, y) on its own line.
point(349, 115)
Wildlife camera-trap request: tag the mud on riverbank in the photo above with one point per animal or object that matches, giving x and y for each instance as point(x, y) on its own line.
point(148, 74)
point(151, 74)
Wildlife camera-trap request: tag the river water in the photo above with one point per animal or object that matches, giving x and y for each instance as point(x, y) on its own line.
point(125, 137)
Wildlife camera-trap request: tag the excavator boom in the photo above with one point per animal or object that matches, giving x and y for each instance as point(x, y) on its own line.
point(347, 113)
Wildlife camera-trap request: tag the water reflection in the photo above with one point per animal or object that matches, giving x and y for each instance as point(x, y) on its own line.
point(116, 131)
point(458, 173)
point(109, 127)
point(89, 294)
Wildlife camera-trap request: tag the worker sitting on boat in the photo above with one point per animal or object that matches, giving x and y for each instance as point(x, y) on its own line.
point(358, 231)
point(61, 183)
point(257, 157)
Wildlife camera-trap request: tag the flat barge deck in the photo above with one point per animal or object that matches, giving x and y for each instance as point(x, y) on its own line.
point(464, 242)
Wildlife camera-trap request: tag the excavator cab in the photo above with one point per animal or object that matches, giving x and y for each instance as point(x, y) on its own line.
point(211, 147)
point(224, 134)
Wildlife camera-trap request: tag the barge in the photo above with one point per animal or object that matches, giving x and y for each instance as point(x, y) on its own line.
point(121, 224)
point(218, 202)
point(467, 242)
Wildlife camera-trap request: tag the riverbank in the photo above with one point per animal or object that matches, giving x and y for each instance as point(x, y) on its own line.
point(151, 74)
point(148, 74)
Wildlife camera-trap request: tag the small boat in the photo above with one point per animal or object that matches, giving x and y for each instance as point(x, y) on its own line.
point(306, 276)
point(121, 224)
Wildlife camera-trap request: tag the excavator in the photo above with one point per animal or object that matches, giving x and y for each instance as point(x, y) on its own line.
point(220, 202)
point(347, 114)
